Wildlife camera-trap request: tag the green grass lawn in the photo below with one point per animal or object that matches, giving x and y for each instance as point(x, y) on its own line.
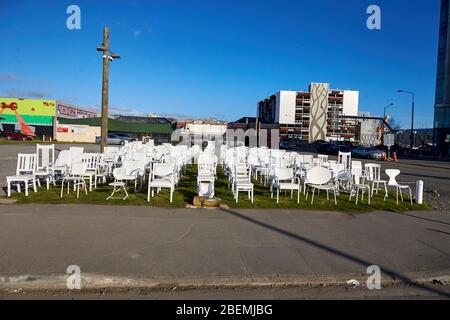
point(186, 191)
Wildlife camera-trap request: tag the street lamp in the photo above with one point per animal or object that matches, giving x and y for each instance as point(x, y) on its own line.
point(107, 56)
point(412, 115)
point(385, 108)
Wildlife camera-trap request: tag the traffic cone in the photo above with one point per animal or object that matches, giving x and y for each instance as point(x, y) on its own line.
point(384, 156)
point(394, 156)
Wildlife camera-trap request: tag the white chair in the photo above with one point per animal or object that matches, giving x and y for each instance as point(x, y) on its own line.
point(242, 182)
point(322, 158)
point(285, 180)
point(62, 163)
point(320, 178)
point(76, 176)
point(76, 154)
point(206, 179)
point(134, 171)
point(392, 174)
point(356, 165)
point(91, 160)
point(118, 174)
point(161, 176)
point(345, 158)
point(25, 173)
point(45, 159)
point(359, 183)
point(373, 171)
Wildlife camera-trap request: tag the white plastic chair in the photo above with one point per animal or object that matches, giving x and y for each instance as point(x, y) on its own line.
point(285, 180)
point(392, 174)
point(25, 173)
point(320, 178)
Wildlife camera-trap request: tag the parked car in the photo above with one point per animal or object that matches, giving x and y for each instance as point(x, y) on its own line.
point(116, 138)
point(333, 148)
point(286, 145)
point(368, 153)
point(16, 135)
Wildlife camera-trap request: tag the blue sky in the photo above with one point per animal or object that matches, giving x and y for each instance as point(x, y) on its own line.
point(218, 58)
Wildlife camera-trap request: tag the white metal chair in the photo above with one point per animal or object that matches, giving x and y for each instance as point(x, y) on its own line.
point(319, 178)
point(285, 180)
point(392, 183)
point(76, 176)
point(161, 176)
point(25, 173)
point(118, 174)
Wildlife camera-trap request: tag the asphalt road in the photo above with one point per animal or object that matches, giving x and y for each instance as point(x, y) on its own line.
point(142, 246)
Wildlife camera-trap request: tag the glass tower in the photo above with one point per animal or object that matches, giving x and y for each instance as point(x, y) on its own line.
point(442, 98)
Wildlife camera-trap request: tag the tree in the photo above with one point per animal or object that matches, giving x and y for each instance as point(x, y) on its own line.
point(393, 123)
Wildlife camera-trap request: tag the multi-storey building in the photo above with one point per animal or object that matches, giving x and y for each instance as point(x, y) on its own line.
point(442, 99)
point(316, 114)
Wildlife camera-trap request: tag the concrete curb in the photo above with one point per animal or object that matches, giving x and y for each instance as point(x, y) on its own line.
point(92, 282)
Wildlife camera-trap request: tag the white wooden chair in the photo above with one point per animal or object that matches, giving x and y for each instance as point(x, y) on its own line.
point(345, 158)
point(45, 159)
point(161, 176)
point(373, 171)
point(25, 173)
point(91, 160)
point(359, 184)
point(242, 182)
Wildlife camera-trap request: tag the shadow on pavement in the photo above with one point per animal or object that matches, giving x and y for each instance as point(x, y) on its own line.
point(364, 263)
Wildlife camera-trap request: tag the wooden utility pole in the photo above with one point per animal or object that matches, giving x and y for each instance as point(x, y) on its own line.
point(105, 50)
